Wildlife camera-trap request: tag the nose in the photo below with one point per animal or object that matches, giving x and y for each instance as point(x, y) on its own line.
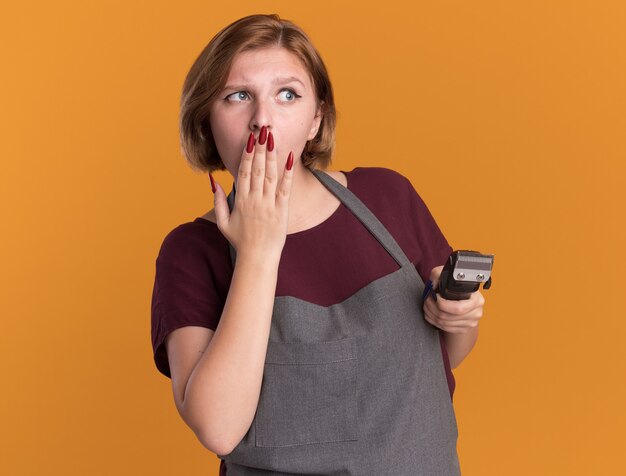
point(261, 116)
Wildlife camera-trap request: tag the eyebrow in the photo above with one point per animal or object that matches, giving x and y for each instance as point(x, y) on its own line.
point(278, 80)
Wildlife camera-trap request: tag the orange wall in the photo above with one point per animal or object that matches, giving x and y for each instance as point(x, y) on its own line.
point(509, 118)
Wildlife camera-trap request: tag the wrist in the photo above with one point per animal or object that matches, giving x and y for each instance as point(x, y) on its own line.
point(260, 261)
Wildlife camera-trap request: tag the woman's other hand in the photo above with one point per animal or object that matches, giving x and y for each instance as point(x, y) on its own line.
point(258, 222)
point(457, 317)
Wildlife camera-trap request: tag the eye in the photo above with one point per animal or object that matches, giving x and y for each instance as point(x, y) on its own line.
point(288, 95)
point(237, 97)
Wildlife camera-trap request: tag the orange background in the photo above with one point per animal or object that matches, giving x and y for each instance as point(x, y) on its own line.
point(508, 117)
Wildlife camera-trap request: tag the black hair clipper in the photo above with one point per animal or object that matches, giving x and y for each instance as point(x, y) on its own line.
point(463, 273)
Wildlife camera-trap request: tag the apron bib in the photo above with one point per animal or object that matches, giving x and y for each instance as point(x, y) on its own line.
point(356, 388)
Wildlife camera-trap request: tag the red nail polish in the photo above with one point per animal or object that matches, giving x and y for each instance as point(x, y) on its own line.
point(213, 187)
point(250, 145)
point(290, 161)
point(270, 141)
point(263, 135)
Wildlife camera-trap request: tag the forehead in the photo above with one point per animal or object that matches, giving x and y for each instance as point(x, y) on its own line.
point(267, 63)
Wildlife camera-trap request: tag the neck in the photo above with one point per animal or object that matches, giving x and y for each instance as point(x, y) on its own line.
point(304, 190)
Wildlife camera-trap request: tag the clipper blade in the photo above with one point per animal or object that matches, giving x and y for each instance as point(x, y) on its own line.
point(472, 267)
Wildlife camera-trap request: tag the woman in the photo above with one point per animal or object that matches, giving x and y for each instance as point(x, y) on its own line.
point(289, 317)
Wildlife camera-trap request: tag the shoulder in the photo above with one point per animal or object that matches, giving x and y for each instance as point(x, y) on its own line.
point(190, 238)
point(389, 194)
point(379, 185)
point(376, 175)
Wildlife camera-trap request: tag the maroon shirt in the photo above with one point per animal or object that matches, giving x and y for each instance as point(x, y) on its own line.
point(324, 265)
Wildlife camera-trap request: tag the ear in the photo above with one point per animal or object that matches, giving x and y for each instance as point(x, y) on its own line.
point(317, 120)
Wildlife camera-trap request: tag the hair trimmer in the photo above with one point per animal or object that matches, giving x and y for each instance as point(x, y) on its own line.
point(463, 273)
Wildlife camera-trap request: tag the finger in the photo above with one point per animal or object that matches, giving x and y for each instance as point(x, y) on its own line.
point(434, 276)
point(429, 304)
point(458, 329)
point(245, 168)
point(473, 315)
point(257, 177)
point(284, 188)
point(433, 308)
point(464, 324)
point(430, 318)
point(464, 306)
point(478, 299)
point(271, 168)
point(438, 315)
point(455, 330)
point(450, 306)
point(453, 306)
point(453, 326)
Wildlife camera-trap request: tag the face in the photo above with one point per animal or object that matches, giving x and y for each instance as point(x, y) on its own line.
point(268, 87)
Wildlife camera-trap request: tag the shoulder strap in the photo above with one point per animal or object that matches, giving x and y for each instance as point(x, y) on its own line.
point(365, 216)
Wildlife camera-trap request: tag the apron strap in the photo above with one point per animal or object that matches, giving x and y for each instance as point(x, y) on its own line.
point(369, 220)
point(357, 207)
point(231, 203)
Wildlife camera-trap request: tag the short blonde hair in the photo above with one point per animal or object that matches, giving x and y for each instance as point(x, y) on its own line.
point(209, 73)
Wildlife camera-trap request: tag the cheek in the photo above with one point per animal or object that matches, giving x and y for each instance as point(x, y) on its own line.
point(293, 131)
point(219, 128)
point(227, 136)
point(220, 137)
point(290, 135)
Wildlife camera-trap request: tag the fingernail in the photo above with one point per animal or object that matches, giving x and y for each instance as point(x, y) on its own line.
point(270, 142)
point(212, 183)
point(290, 161)
point(250, 145)
point(262, 135)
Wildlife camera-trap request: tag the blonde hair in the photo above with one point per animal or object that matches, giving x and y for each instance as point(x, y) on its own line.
point(209, 73)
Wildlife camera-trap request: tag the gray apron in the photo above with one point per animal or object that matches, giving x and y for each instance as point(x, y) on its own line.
point(356, 388)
